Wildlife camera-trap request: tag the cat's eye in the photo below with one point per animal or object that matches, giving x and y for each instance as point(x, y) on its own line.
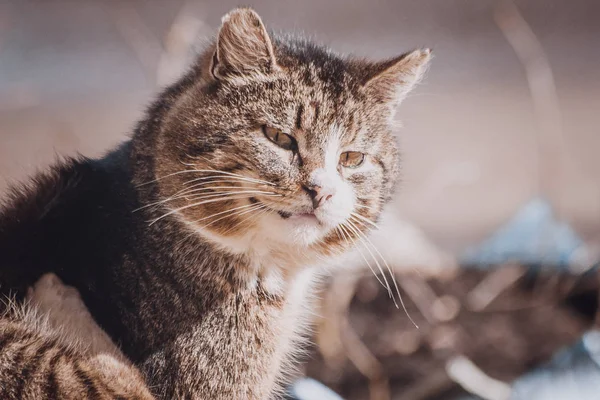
point(281, 139)
point(352, 159)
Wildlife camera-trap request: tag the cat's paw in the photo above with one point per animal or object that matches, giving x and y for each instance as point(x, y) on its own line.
point(66, 312)
point(60, 303)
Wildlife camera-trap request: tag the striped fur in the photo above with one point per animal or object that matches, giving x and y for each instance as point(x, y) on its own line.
point(207, 300)
point(50, 348)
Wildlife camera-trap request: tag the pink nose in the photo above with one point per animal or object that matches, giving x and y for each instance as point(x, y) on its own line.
point(319, 195)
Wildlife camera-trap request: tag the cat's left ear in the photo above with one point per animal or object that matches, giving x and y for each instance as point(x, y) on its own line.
point(243, 46)
point(392, 80)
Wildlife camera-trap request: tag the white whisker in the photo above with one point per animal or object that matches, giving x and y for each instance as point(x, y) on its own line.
point(232, 174)
point(226, 198)
point(226, 211)
point(206, 196)
point(255, 207)
point(363, 257)
point(354, 229)
point(391, 274)
point(206, 182)
point(187, 171)
point(259, 211)
point(356, 215)
point(232, 178)
point(226, 187)
point(365, 206)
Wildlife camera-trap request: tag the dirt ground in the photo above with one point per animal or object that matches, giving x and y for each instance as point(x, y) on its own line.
point(373, 351)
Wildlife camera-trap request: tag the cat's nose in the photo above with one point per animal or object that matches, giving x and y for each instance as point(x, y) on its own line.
point(319, 194)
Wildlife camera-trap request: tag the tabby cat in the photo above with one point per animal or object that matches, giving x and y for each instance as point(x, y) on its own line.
point(195, 244)
point(51, 348)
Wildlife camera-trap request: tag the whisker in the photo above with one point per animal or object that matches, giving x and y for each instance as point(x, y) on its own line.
point(226, 198)
point(226, 211)
point(255, 207)
point(215, 193)
point(343, 227)
point(187, 171)
point(391, 274)
point(232, 174)
point(187, 193)
point(356, 215)
point(365, 206)
point(206, 196)
point(226, 187)
point(221, 178)
point(194, 231)
point(340, 234)
point(232, 178)
point(354, 229)
point(211, 181)
point(259, 211)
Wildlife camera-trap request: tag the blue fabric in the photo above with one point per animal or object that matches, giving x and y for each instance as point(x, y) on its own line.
point(533, 236)
point(574, 373)
point(309, 389)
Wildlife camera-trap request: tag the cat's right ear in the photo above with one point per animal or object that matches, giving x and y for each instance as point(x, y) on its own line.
point(393, 79)
point(243, 47)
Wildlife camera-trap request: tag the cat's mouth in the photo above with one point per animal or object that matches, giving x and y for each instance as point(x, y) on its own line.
point(300, 216)
point(284, 215)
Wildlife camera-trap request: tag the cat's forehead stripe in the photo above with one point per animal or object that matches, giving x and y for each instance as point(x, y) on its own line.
point(315, 105)
point(308, 116)
point(299, 115)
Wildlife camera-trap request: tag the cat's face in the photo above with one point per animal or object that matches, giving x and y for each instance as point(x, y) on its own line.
point(283, 140)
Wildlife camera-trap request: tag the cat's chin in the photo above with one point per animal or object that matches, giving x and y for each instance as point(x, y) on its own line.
point(300, 230)
point(304, 230)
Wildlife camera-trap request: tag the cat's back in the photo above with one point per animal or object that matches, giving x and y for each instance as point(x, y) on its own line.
point(63, 218)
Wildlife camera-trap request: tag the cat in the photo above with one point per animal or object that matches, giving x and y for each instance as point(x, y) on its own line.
point(196, 244)
point(51, 348)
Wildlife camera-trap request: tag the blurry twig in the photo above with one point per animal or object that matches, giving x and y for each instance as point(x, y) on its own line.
point(420, 293)
point(474, 380)
point(365, 362)
point(433, 383)
point(335, 307)
point(555, 163)
point(541, 85)
point(337, 340)
point(492, 286)
point(432, 307)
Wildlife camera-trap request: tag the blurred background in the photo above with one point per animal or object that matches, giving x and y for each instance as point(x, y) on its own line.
point(495, 233)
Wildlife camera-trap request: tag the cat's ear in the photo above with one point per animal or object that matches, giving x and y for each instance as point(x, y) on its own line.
point(243, 46)
point(390, 81)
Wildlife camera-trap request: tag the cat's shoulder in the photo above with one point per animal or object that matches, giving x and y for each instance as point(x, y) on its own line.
point(68, 181)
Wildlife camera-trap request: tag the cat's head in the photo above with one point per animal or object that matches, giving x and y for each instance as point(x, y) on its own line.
point(282, 140)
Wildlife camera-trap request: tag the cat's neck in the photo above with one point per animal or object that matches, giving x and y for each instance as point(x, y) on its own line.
point(257, 261)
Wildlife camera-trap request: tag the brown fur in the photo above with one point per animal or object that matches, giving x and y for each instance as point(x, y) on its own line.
point(52, 349)
point(206, 237)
